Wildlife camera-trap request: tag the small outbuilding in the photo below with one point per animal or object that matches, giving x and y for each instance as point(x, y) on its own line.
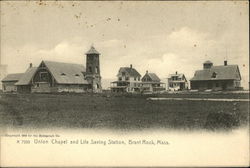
point(8, 82)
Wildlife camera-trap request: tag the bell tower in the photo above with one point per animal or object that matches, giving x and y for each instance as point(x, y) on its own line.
point(93, 69)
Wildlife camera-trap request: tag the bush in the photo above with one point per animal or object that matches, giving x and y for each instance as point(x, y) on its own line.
point(221, 120)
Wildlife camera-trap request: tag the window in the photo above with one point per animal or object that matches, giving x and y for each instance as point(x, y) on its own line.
point(210, 85)
point(217, 84)
point(135, 78)
point(127, 78)
point(90, 58)
point(42, 65)
point(97, 69)
point(4, 88)
point(90, 69)
point(119, 78)
point(44, 76)
point(123, 73)
point(214, 75)
point(77, 75)
point(139, 79)
point(63, 74)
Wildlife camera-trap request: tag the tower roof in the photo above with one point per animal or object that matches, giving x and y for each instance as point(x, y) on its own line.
point(92, 50)
point(207, 62)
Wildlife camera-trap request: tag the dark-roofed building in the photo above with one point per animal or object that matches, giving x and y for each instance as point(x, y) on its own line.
point(223, 77)
point(152, 83)
point(53, 76)
point(8, 82)
point(177, 82)
point(128, 80)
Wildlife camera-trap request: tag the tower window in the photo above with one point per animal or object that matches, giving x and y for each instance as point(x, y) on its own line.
point(97, 69)
point(90, 69)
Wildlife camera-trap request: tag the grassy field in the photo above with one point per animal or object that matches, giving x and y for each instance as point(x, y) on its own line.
point(121, 111)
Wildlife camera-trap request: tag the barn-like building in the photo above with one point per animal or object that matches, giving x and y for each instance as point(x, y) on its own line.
point(222, 77)
point(52, 76)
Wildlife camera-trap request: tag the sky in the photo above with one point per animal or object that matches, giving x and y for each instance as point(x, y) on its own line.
point(161, 37)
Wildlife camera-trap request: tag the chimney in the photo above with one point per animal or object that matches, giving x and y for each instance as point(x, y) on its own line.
point(176, 72)
point(131, 66)
point(225, 63)
point(30, 65)
point(146, 71)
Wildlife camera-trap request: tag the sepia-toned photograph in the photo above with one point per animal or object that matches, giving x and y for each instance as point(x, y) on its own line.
point(124, 83)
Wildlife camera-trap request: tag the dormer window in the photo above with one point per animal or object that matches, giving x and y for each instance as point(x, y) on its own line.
point(63, 74)
point(77, 75)
point(214, 75)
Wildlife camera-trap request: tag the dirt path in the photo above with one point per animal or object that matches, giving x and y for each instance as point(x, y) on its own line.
point(199, 99)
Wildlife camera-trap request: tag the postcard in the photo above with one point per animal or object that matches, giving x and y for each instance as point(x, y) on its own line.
point(124, 83)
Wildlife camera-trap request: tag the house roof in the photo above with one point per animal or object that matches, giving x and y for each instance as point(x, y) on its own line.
point(222, 73)
point(66, 73)
point(153, 77)
point(92, 50)
point(131, 71)
point(27, 76)
point(178, 75)
point(12, 77)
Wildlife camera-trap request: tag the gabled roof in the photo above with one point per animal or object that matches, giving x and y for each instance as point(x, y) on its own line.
point(222, 73)
point(12, 77)
point(66, 73)
point(27, 76)
point(130, 71)
point(153, 77)
point(92, 50)
point(178, 75)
